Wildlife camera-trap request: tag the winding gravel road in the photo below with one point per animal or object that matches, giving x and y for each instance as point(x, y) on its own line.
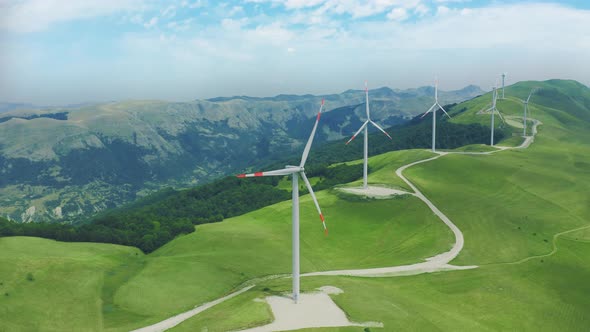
point(436, 263)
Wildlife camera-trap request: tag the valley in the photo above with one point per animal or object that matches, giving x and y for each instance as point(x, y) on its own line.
point(67, 164)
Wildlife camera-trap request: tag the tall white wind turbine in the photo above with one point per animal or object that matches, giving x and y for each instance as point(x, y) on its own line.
point(433, 109)
point(364, 126)
point(296, 172)
point(526, 108)
point(493, 109)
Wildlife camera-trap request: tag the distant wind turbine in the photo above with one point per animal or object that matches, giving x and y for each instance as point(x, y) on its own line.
point(526, 108)
point(295, 172)
point(493, 109)
point(503, 79)
point(364, 126)
point(433, 109)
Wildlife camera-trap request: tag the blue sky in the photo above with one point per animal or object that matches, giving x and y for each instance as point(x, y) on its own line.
point(61, 52)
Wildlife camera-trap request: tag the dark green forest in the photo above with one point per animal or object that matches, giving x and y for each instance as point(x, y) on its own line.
point(155, 220)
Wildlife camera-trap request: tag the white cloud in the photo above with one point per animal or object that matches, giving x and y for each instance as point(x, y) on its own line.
point(273, 33)
point(37, 15)
point(169, 12)
point(398, 14)
point(461, 45)
point(451, 1)
point(182, 25)
point(421, 10)
point(442, 10)
point(235, 10)
point(195, 4)
point(151, 23)
point(233, 24)
point(354, 8)
point(549, 26)
point(302, 3)
point(136, 19)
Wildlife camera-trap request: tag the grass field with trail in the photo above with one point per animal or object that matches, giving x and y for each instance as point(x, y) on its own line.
point(509, 205)
point(544, 294)
point(217, 258)
point(211, 262)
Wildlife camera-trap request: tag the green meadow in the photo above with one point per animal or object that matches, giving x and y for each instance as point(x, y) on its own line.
point(524, 213)
point(220, 257)
point(542, 294)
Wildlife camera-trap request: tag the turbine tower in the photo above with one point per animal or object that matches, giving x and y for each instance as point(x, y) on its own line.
point(433, 109)
point(503, 79)
point(366, 145)
point(526, 108)
point(296, 172)
point(493, 109)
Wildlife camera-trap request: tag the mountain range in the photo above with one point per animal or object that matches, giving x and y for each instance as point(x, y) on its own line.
point(67, 163)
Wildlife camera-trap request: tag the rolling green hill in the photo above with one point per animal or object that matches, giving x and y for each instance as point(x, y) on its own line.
point(525, 215)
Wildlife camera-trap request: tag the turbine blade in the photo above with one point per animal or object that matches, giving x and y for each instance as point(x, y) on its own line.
point(367, 100)
point(358, 131)
point(500, 114)
point(443, 110)
point(315, 201)
point(429, 110)
point(278, 172)
point(530, 94)
point(310, 140)
point(376, 125)
point(436, 89)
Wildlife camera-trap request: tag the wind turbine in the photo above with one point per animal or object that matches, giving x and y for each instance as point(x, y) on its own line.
point(364, 126)
point(295, 172)
point(526, 108)
point(503, 79)
point(433, 109)
point(494, 110)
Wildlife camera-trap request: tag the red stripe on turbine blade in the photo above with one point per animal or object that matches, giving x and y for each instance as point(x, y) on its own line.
point(350, 140)
point(319, 114)
point(322, 217)
point(241, 175)
point(258, 174)
point(322, 101)
point(326, 232)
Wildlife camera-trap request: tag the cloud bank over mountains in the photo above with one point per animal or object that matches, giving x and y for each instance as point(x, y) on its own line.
point(73, 51)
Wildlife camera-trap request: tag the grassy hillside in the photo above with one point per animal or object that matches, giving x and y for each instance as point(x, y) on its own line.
point(511, 207)
point(221, 256)
point(544, 294)
point(53, 286)
point(525, 215)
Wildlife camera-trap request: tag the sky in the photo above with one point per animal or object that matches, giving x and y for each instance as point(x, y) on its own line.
point(57, 52)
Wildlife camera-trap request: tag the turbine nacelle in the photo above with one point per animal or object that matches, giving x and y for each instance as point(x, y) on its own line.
point(300, 170)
